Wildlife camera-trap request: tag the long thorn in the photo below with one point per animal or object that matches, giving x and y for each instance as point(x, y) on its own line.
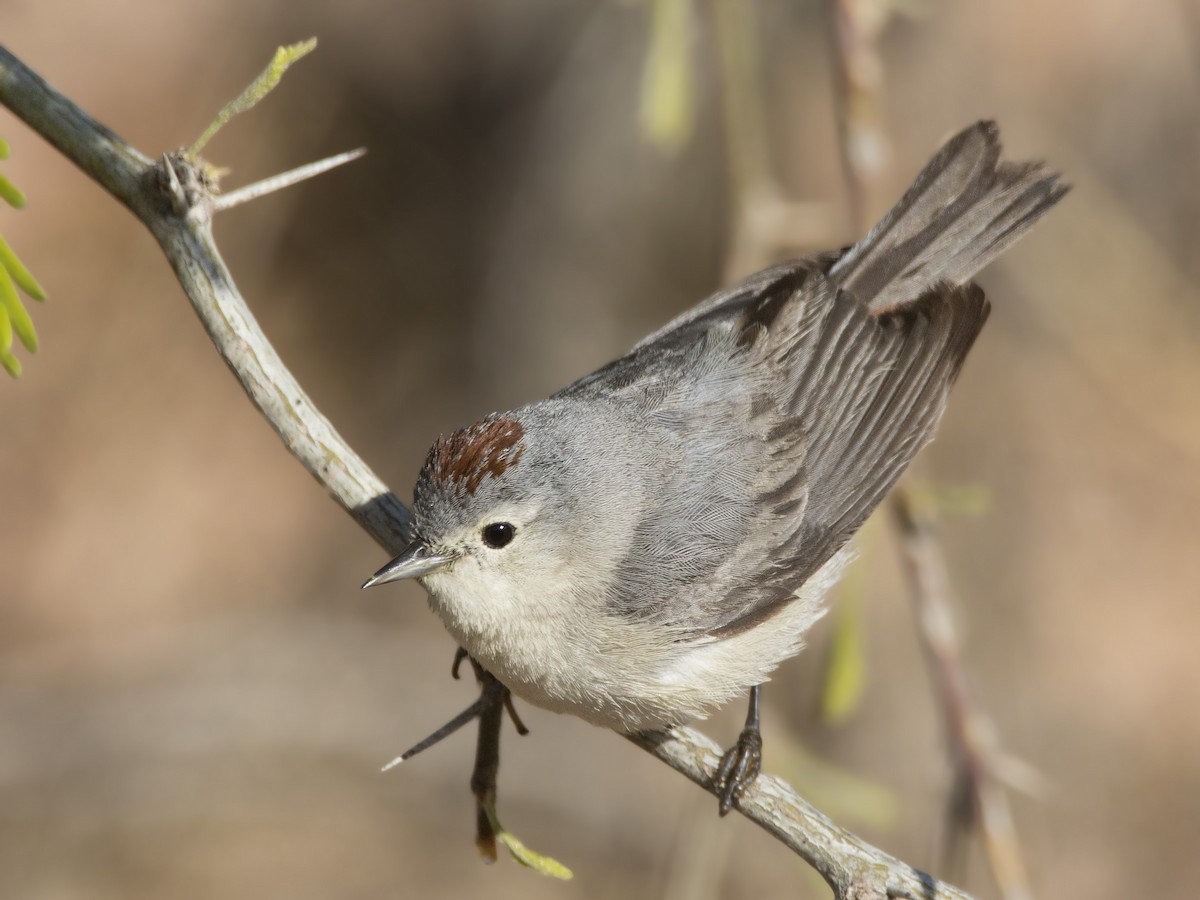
point(471, 712)
point(178, 198)
point(282, 180)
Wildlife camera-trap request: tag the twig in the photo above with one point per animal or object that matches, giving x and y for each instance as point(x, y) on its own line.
point(852, 867)
point(765, 219)
point(977, 794)
point(858, 79)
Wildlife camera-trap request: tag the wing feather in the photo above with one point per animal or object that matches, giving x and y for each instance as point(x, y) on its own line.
point(867, 394)
point(791, 403)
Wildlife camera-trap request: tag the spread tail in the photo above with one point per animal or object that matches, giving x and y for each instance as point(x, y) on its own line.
point(964, 209)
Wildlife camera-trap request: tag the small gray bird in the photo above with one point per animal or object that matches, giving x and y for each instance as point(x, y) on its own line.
point(653, 540)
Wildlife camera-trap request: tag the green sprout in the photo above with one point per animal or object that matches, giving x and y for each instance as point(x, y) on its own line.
point(522, 854)
point(14, 319)
point(256, 90)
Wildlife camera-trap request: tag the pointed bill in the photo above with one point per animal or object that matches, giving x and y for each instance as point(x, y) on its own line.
point(416, 560)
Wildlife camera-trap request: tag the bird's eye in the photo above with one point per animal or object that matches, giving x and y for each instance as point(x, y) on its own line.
point(498, 534)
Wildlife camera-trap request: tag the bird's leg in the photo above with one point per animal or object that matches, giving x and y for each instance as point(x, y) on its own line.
point(742, 762)
point(494, 699)
point(459, 655)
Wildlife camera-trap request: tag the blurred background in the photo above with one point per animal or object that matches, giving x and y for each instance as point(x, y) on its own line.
point(195, 697)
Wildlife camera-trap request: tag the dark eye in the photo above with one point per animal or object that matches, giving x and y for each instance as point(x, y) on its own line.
point(498, 534)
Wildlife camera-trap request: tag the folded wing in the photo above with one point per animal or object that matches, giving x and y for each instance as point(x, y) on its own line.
point(795, 400)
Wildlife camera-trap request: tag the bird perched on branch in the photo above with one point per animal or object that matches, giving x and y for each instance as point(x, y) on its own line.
point(654, 539)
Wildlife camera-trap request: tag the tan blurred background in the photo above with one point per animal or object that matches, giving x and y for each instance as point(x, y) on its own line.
point(195, 697)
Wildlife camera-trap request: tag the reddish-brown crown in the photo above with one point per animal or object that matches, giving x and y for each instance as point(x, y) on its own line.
point(471, 454)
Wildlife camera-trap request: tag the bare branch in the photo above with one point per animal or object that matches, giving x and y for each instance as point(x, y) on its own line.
point(981, 796)
point(852, 867)
point(189, 247)
point(765, 220)
point(858, 77)
point(103, 157)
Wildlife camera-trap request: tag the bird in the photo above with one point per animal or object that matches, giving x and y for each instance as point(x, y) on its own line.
point(653, 540)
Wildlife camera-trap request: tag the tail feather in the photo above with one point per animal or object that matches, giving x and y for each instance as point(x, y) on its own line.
point(963, 211)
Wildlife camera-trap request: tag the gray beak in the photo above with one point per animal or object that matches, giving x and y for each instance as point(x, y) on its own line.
point(416, 560)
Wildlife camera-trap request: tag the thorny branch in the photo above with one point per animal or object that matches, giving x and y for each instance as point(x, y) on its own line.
point(171, 197)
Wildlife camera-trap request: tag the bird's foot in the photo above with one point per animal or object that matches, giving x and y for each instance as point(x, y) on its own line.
point(739, 767)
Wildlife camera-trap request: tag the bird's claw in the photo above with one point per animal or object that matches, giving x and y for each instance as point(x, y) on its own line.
point(739, 767)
